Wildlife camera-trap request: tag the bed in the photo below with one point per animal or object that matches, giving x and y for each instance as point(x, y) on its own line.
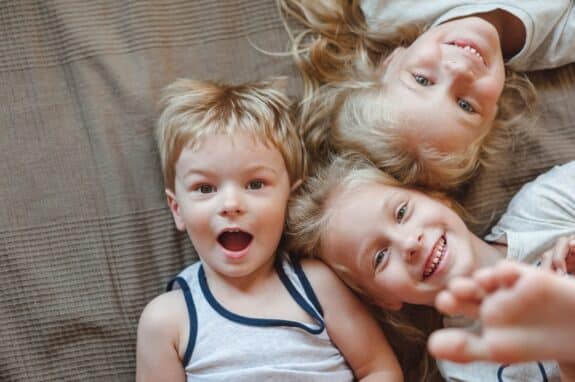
point(86, 238)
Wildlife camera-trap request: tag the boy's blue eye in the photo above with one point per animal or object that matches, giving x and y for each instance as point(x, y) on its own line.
point(255, 185)
point(423, 81)
point(466, 106)
point(401, 212)
point(206, 188)
point(379, 257)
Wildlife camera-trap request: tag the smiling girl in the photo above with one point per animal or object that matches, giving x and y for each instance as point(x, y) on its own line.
point(396, 245)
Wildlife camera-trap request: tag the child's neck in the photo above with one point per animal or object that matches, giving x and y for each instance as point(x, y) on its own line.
point(261, 294)
point(510, 29)
point(249, 284)
point(488, 254)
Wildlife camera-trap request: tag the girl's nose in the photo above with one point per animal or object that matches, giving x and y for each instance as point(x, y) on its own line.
point(459, 71)
point(412, 245)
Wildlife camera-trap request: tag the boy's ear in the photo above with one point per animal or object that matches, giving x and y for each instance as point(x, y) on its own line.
point(295, 185)
point(175, 209)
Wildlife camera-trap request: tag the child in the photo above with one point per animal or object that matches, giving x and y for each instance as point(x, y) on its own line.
point(230, 158)
point(397, 245)
point(427, 108)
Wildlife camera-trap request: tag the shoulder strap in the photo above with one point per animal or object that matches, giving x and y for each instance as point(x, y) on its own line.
point(192, 316)
point(306, 285)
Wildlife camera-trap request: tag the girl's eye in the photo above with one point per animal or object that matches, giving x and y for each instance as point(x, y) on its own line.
point(423, 81)
point(379, 257)
point(255, 185)
point(401, 211)
point(206, 188)
point(466, 106)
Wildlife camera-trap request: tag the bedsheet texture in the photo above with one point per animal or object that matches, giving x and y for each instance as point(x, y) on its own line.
point(86, 238)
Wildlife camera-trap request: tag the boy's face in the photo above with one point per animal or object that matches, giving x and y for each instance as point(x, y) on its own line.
point(448, 83)
point(397, 245)
point(230, 196)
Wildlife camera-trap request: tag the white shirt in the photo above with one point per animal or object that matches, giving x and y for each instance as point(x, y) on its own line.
point(549, 25)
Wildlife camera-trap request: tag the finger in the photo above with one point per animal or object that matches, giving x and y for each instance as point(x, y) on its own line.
point(447, 303)
point(570, 260)
point(571, 245)
point(457, 345)
point(547, 260)
point(560, 252)
point(502, 275)
point(570, 264)
point(466, 288)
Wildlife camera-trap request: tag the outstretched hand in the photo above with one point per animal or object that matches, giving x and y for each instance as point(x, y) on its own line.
point(526, 315)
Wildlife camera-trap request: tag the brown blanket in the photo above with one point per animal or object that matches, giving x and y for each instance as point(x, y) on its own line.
point(86, 238)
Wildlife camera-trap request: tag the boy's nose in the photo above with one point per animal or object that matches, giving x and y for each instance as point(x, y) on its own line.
point(232, 204)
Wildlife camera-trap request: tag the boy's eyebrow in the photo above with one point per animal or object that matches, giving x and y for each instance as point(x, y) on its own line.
point(195, 171)
point(207, 172)
point(259, 167)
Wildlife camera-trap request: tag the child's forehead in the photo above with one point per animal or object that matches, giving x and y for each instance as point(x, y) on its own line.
point(352, 187)
point(358, 189)
point(235, 138)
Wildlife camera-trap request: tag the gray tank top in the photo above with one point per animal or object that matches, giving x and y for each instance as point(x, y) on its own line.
point(224, 346)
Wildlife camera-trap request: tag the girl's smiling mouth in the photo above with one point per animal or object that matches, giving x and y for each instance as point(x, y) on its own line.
point(435, 257)
point(470, 47)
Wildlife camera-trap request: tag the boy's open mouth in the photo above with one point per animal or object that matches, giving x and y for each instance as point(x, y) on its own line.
point(234, 240)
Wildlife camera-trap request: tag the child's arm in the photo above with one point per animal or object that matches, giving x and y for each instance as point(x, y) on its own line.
point(352, 328)
point(159, 339)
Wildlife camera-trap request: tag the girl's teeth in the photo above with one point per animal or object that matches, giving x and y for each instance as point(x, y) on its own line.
point(472, 50)
point(437, 256)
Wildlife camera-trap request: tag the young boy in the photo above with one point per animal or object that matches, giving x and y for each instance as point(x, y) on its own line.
point(230, 158)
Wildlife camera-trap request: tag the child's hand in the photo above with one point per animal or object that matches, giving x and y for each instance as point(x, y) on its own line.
point(561, 258)
point(463, 296)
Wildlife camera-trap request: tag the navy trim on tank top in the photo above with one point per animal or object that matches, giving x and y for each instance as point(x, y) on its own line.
point(539, 364)
point(263, 322)
point(295, 294)
point(306, 285)
point(191, 314)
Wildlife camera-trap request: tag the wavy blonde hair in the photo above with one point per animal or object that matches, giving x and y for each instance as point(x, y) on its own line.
point(309, 214)
point(344, 107)
point(192, 109)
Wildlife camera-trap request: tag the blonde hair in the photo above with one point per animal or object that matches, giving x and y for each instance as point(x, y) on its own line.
point(309, 214)
point(345, 108)
point(193, 109)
